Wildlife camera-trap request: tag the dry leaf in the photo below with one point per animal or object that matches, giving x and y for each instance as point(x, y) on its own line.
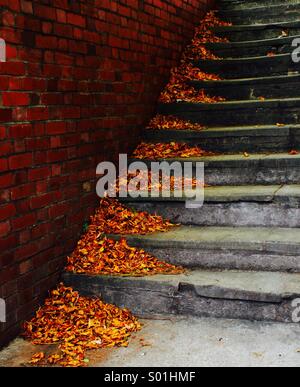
point(64, 319)
point(168, 150)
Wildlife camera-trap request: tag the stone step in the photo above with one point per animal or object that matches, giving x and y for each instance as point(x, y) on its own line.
point(237, 113)
point(231, 206)
point(263, 296)
point(253, 48)
point(282, 86)
point(241, 5)
point(225, 248)
point(262, 14)
point(264, 138)
point(236, 169)
point(262, 66)
point(242, 33)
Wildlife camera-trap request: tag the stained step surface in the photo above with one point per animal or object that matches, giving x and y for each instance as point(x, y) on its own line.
point(261, 138)
point(242, 5)
point(279, 45)
point(251, 32)
point(261, 66)
point(262, 14)
point(233, 206)
point(235, 113)
point(231, 294)
point(236, 169)
point(283, 86)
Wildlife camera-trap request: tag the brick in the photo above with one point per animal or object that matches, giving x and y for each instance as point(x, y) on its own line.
point(5, 115)
point(20, 130)
point(6, 180)
point(56, 127)
point(3, 165)
point(76, 20)
point(24, 221)
point(22, 191)
point(20, 161)
point(15, 99)
point(4, 229)
point(7, 211)
point(44, 200)
point(12, 68)
point(39, 173)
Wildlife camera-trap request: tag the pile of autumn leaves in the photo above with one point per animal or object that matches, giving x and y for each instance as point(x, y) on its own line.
point(77, 323)
point(179, 90)
point(98, 254)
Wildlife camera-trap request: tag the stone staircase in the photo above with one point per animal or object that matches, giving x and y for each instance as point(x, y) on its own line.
point(242, 248)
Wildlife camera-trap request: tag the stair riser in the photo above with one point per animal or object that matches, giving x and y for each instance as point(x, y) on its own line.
point(267, 172)
point(229, 144)
point(260, 34)
point(262, 15)
point(250, 69)
point(235, 116)
point(169, 300)
point(228, 260)
point(258, 175)
point(259, 19)
point(239, 214)
point(252, 90)
point(247, 52)
point(241, 5)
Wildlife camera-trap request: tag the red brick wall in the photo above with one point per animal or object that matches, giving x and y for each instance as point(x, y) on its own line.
point(81, 79)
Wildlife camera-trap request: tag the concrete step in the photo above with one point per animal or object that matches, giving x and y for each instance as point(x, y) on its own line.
point(254, 48)
point(262, 296)
point(237, 113)
point(264, 138)
point(282, 86)
point(262, 14)
point(226, 248)
point(241, 4)
point(262, 66)
point(236, 169)
point(231, 206)
point(250, 32)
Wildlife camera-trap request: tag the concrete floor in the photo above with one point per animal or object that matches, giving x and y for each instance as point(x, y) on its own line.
point(188, 342)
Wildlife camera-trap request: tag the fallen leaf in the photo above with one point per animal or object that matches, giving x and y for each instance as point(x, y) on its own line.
point(64, 319)
point(168, 150)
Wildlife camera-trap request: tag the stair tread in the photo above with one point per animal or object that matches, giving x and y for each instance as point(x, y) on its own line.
point(195, 237)
point(256, 80)
point(255, 130)
point(251, 43)
point(249, 27)
point(242, 285)
point(243, 193)
point(237, 157)
point(260, 8)
point(271, 102)
point(247, 59)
